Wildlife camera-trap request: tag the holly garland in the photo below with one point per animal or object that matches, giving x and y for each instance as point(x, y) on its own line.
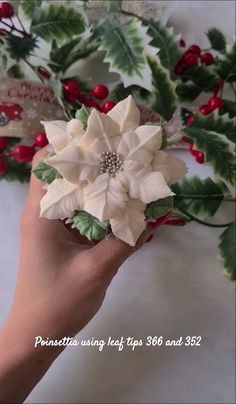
point(156, 68)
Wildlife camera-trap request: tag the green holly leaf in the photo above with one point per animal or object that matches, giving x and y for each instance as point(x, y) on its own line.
point(83, 114)
point(202, 77)
point(114, 6)
point(53, 21)
point(217, 39)
point(187, 91)
point(218, 153)
point(227, 248)
point(60, 55)
point(89, 226)
point(165, 102)
point(28, 7)
point(230, 108)
point(46, 173)
point(124, 51)
point(225, 67)
point(164, 39)
point(15, 72)
point(198, 197)
point(220, 124)
point(159, 208)
point(20, 48)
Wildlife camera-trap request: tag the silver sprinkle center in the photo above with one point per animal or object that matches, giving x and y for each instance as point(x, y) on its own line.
point(110, 163)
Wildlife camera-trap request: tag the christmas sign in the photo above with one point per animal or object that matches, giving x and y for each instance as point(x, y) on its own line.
point(23, 104)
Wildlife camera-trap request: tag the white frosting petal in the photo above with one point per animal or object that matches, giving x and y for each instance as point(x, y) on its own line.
point(101, 127)
point(61, 200)
point(126, 114)
point(131, 223)
point(57, 135)
point(172, 168)
point(74, 164)
point(142, 183)
point(140, 144)
point(105, 198)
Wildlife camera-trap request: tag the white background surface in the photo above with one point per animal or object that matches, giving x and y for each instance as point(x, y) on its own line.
point(173, 287)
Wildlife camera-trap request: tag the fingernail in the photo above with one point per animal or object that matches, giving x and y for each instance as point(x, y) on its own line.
point(176, 222)
point(149, 238)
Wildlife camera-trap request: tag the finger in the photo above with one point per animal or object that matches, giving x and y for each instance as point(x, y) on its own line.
point(36, 191)
point(111, 253)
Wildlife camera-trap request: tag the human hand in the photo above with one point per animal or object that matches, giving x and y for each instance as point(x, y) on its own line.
point(61, 285)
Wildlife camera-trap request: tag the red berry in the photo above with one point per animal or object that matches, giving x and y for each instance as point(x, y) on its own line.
point(190, 120)
point(215, 103)
point(3, 168)
point(100, 91)
point(43, 72)
point(23, 154)
point(91, 104)
point(187, 139)
point(71, 90)
point(3, 143)
point(180, 68)
point(194, 49)
point(176, 222)
point(3, 32)
point(205, 110)
point(199, 156)
point(6, 10)
point(190, 59)
point(192, 150)
point(207, 58)
point(182, 43)
point(41, 140)
point(108, 106)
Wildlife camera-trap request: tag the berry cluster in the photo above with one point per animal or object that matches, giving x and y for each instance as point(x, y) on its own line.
point(21, 153)
point(191, 57)
point(198, 154)
point(6, 13)
point(72, 93)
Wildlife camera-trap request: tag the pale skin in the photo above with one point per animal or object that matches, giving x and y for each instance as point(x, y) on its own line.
point(61, 285)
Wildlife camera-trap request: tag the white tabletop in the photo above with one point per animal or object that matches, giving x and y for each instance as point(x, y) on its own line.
point(173, 287)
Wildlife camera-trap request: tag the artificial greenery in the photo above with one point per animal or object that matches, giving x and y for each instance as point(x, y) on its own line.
point(144, 53)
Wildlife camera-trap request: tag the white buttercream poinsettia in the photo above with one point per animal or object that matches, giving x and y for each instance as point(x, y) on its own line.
point(111, 170)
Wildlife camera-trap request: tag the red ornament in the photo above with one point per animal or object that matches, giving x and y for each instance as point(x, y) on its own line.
point(207, 58)
point(3, 168)
point(108, 106)
point(3, 143)
point(43, 72)
point(194, 49)
point(23, 154)
point(215, 103)
point(205, 110)
point(200, 158)
point(41, 140)
point(6, 10)
point(100, 92)
point(71, 90)
point(182, 43)
point(190, 59)
point(190, 120)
